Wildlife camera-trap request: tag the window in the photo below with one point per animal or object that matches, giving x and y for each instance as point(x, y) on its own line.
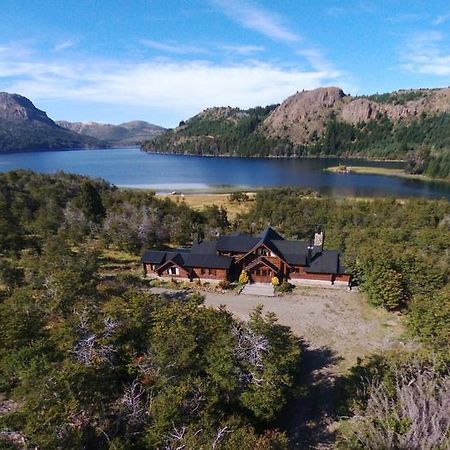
point(262, 251)
point(257, 272)
point(211, 271)
point(202, 271)
point(264, 273)
point(173, 271)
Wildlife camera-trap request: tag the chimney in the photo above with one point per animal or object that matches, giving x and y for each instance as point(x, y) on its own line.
point(319, 239)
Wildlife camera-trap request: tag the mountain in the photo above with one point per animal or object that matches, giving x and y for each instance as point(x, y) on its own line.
point(126, 134)
point(406, 124)
point(24, 127)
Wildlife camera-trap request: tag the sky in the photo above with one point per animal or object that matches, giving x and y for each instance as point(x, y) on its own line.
point(166, 60)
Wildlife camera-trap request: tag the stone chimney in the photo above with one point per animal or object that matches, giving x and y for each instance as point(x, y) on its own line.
point(319, 239)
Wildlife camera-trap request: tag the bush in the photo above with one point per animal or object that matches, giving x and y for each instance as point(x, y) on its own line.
point(284, 287)
point(243, 277)
point(275, 281)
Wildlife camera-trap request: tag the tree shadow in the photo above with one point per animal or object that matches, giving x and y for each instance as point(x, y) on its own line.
point(312, 409)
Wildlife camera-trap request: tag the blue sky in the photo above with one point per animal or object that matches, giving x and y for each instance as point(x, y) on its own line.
point(165, 60)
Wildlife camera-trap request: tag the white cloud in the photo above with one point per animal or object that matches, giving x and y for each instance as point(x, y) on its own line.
point(426, 53)
point(258, 19)
point(64, 45)
point(179, 88)
point(172, 47)
point(439, 20)
point(243, 49)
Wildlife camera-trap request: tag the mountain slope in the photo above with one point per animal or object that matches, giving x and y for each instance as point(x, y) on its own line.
point(24, 127)
point(129, 133)
point(407, 124)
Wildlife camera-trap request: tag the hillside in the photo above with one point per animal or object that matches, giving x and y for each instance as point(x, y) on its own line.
point(126, 134)
point(407, 124)
point(24, 127)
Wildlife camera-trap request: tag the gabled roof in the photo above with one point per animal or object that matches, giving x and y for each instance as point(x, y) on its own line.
point(269, 234)
point(241, 243)
point(261, 260)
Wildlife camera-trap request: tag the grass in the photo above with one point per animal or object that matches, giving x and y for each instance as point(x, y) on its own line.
point(200, 201)
point(116, 262)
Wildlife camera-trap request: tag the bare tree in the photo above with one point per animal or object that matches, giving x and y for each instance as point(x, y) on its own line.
point(91, 349)
point(134, 403)
point(419, 406)
point(250, 349)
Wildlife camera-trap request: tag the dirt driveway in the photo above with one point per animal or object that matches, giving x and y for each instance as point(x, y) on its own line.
point(324, 317)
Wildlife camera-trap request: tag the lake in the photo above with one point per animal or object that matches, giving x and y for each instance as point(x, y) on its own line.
point(129, 167)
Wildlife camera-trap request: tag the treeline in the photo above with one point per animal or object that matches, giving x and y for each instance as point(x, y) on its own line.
point(234, 132)
point(34, 207)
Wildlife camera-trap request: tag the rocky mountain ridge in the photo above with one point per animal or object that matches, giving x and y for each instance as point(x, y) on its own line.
point(128, 133)
point(303, 116)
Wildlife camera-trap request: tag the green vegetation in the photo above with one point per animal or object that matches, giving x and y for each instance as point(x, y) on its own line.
point(231, 132)
point(398, 97)
point(94, 360)
point(425, 141)
point(18, 135)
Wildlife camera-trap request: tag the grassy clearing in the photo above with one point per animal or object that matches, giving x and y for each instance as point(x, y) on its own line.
point(116, 262)
point(199, 201)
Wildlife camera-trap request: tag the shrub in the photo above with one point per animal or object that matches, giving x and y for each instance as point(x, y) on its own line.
point(284, 287)
point(243, 277)
point(275, 281)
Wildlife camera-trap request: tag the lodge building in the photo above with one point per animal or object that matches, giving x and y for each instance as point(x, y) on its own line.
point(262, 257)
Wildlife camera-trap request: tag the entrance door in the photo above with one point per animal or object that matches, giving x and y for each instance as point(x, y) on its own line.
point(261, 274)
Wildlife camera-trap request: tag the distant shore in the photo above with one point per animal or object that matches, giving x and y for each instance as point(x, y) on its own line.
point(381, 171)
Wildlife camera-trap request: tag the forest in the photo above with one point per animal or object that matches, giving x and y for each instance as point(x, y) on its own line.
point(424, 142)
point(96, 361)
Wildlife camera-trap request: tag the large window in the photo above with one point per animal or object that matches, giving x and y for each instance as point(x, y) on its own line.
point(173, 271)
point(212, 272)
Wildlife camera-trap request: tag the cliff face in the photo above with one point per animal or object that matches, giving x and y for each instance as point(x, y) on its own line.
point(302, 117)
point(14, 107)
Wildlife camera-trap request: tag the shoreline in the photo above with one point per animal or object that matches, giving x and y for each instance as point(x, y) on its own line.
point(208, 155)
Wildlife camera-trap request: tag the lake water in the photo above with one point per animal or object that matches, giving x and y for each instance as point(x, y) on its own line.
point(127, 167)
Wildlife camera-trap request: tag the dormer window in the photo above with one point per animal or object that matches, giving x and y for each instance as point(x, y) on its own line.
point(263, 251)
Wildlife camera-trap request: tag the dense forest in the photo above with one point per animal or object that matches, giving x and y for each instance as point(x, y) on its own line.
point(424, 141)
point(99, 361)
point(231, 132)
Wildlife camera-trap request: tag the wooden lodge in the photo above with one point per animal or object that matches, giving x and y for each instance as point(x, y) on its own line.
point(263, 257)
